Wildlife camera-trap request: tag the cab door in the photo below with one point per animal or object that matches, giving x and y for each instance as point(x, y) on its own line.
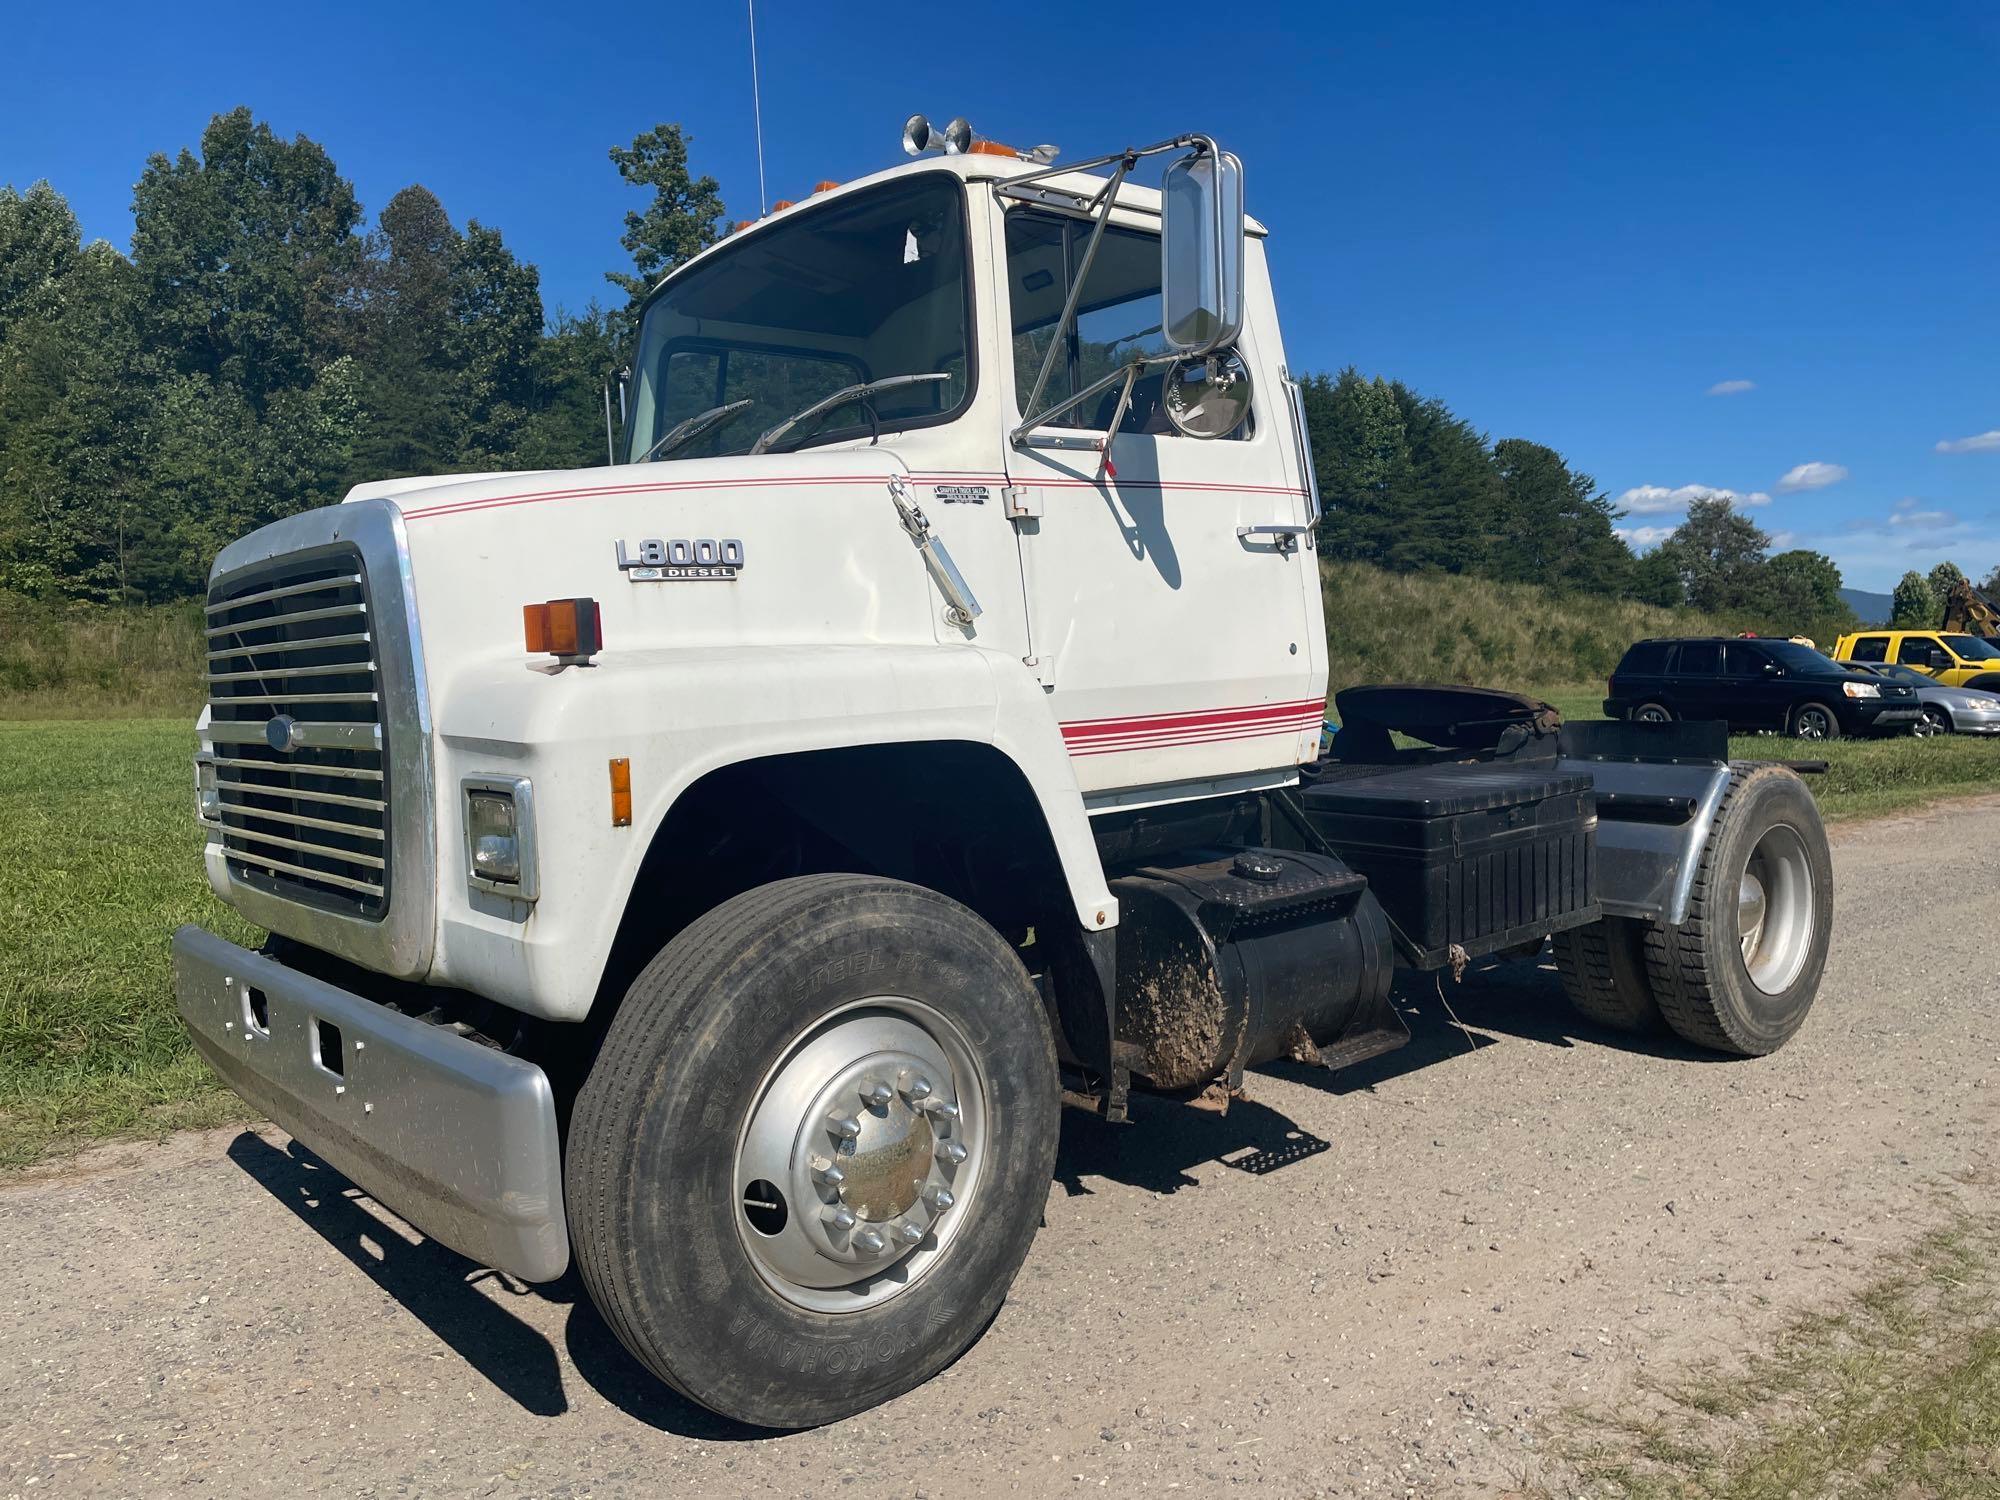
point(1177, 642)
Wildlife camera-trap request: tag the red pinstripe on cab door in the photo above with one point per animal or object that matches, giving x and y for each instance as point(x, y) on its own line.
point(1203, 727)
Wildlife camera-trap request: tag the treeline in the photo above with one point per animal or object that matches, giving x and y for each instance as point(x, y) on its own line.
point(263, 348)
point(1411, 487)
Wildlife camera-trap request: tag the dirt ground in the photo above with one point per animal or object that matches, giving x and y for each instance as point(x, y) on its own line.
point(1389, 1280)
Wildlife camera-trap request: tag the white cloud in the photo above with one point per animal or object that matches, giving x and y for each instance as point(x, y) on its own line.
point(1644, 536)
point(1657, 499)
point(1984, 442)
point(1780, 540)
point(1731, 387)
point(1906, 513)
point(1812, 476)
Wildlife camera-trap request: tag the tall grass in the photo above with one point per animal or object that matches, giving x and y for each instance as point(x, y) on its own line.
point(89, 661)
point(1432, 627)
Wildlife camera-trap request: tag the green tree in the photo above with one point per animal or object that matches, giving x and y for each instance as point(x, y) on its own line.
point(683, 219)
point(248, 257)
point(1945, 577)
point(566, 428)
point(1802, 595)
point(1915, 604)
point(1554, 526)
point(1718, 554)
point(1656, 579)
point(39, 243)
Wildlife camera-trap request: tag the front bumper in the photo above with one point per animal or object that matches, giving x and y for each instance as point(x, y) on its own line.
point(1984, 721)
point(1897, 720)
point(458, 1138)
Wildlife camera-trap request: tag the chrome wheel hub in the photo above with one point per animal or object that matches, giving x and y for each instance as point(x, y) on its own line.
point(861, 1152)
point(1774, 910)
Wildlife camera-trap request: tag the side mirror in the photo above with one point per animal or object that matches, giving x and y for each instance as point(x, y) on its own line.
point(1201, 251)
point(1772, 669)
point(1937, 660)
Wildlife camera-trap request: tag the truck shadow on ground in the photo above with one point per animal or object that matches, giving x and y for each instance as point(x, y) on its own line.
point(1500, 1001)
point(465, 1304)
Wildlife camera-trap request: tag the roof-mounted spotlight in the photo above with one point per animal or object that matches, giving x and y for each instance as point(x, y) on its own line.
point(919, 136)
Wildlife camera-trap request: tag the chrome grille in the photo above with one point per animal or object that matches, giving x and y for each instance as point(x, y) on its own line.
point(295, 711)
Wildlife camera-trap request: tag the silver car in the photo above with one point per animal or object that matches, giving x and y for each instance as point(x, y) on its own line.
point(1946, 710)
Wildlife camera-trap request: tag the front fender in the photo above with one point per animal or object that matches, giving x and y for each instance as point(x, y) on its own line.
point(676, 716)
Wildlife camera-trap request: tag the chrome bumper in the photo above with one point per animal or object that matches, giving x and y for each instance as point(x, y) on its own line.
point(457, 1138)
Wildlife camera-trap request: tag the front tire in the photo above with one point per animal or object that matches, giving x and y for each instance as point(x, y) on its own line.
point(1740, 973)
point(1815, 721)
point(814, 1148)
point(1931, 722)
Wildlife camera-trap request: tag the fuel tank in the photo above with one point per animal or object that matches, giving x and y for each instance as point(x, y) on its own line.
point(1231, 957)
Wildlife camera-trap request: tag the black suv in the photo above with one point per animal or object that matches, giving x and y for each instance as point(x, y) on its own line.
point(1757, 684)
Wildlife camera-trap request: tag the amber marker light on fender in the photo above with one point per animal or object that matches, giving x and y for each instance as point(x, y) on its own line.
point(570, 630)
point(621, 793)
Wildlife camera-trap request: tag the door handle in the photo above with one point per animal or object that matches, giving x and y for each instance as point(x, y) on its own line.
point(1285, 536)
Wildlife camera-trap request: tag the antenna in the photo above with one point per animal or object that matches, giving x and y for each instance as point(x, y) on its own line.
point(757, 106)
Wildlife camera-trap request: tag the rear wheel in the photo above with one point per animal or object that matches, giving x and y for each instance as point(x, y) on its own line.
point(1815, 721)
point(1740, 973)
point(1652, 713)
point(814, 1148)
point(1603, 971)
point(1932, 721)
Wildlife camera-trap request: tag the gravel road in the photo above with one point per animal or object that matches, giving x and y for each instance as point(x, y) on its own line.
point(1514, 1216)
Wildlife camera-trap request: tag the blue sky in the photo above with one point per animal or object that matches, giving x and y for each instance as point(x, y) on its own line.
point(1582, 224)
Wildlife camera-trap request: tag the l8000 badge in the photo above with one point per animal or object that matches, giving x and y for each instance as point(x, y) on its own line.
point(681, 560)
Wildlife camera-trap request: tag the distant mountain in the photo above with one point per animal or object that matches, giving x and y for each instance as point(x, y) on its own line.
point(1872, 609)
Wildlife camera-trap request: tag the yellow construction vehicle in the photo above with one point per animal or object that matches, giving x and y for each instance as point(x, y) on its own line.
point(1969, 612)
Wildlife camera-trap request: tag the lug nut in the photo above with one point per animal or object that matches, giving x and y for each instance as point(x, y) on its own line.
point(875, 1093)
point(915, 1085)
point(844, 1126)
point(944, 1109)
point(951, 1153)
point(939, 1198)
point(829, 1175)
point(909, 1234)
point(841, 1219)
point(868, 1242)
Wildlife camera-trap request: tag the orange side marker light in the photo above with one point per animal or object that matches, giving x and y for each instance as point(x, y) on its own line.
point(621, 793)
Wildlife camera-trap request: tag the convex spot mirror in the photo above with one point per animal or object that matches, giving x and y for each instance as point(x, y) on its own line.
point(1208, 396)
point(1201, 251)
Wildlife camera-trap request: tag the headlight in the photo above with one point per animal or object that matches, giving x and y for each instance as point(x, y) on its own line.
point(500, 835)
point(207, 797)
point(1861, 690)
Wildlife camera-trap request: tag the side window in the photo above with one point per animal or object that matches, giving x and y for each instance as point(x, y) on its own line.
point(1915, 650)
point(1700, 658)
point(1118, 315)
point(1739, 660)
point(1871, 648)
point(1646, 659)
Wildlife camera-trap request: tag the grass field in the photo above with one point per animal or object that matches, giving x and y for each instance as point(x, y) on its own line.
point(103, 861)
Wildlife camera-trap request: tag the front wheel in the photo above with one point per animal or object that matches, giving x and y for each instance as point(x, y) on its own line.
point(1932, 721)
point(814, 1148)
point(1815, 721)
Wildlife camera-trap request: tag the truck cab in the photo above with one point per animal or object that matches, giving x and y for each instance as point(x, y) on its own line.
point(713, 869)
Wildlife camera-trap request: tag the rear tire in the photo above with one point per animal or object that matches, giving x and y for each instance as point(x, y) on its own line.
point(1603, 971)
point(736, 1054)
point(1740, 974)
point(1652, 713)
point(1815, 721)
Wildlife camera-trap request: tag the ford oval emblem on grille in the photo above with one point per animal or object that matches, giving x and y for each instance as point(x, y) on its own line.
point(282, 733)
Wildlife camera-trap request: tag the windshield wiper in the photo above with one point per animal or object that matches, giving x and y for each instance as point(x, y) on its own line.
point(840, 398)
point(692, 428)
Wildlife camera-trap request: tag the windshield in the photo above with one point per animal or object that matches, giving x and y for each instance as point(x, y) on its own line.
point(853, 291)
point(1801, 661)
point(1972, 648)
point(1896, 673)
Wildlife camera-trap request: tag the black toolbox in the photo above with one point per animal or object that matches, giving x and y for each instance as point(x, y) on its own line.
point(1473, 856)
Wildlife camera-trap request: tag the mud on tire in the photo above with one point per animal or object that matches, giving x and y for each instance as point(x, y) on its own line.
point(1767, 835)
point(652, 1155)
